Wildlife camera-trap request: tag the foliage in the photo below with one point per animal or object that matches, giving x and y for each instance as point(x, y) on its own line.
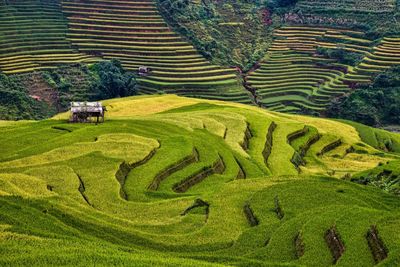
point(103, 80)
point(374, 105)
point(360, 15)
point(385, 176)
point(341, 55)
point(16, 104)
point(230, 33)
point(113, 81)
point(377, 138)
point(280, 3)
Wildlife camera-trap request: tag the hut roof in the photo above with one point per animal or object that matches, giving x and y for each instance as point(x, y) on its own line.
point(86, 107)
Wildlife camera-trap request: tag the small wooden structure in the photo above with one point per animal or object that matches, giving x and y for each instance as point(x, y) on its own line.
point(87, 112)
point(144, 71)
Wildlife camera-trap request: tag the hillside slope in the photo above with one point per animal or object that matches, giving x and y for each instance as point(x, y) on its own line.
point(308, 66)
point(296, 56)
point(289, 56)
point(33, 37)
point(135, 33)
point(178, 181)
point(41, 35)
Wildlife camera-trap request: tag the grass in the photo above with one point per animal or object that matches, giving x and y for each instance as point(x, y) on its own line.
point(377, 138)
point(68, 178)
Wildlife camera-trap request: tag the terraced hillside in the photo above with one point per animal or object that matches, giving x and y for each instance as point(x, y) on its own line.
point(382, 57)
point(178, 181)
point(374, 6)
point(293, 76)
point(33, 37)
point(38, 35)
point(135, 33)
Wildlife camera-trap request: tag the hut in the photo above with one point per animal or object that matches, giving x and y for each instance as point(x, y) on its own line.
point(144, 71)
point(87, 112)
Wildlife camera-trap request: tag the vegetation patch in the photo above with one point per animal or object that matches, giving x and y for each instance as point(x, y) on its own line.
point(173, 168)
point(298, 154)
point(250, 216)
point(341, 55)
point(297, 134)
point(82, 190)
point(376, 245)
point(335, 244)
point(122, 173)
point(385, 176)
point(266, 220)
point(124, 169)
point(269, 142)
point(218, 167)
point(247, 136)
point(222, 31)
point(330, 147)
point(241, 173)
point(375, 104)
point(62, 129)
point(278, 208)
point(299, 245)
point(198, 203)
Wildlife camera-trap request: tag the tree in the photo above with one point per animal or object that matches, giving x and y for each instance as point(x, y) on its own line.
point(375, 105)
point(272, 4)
point(113, 80)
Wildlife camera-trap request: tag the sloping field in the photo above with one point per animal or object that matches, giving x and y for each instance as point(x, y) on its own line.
point(135, 33)
point(33, 37)
point(176, 181)
point(39, 35)
point(294, 77)
point(374, 6)
point(384, 55)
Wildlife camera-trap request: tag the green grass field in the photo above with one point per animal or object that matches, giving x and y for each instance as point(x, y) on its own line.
point(172, 181)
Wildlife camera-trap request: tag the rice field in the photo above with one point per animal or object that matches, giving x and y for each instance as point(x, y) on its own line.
point(370, 6)
point(34, 37)
point(135, 33)
point(293, 77)
point(42, 35)
point(169, 181)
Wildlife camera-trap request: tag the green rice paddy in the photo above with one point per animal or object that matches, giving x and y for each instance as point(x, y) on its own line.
point(172, 181)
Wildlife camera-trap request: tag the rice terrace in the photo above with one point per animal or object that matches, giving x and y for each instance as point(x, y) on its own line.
point(199, 133)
